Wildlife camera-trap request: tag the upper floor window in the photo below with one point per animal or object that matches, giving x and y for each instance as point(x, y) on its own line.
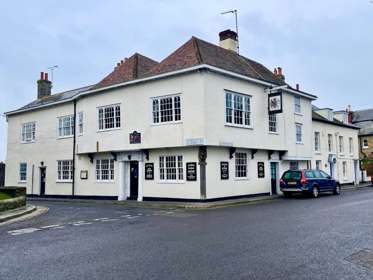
point(317, 142)
point(80, 123)
point(341, 144)
point(365, 143)
point(171, 168)
point(330, 142)
point(109, 117)
point(241, 165)
point(105, 169)
point(64, 170)
point(272, 122)
point(297, 105)
point(351, 145)
point(237, 109)
point(298, 132)
point(28, 132)
point(66, 126)
point(23, 172)
point(166, 109)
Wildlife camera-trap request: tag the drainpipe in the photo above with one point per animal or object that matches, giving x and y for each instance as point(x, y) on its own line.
point(74, 145)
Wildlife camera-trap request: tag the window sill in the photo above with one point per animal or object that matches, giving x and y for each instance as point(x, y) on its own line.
point(65, 137)
point(241, 179)
point(365, 148)
point(317, 153)
point(166, 123)
point(22, 182)
point(27, 142)
point(64, 181)
point(273, 133)
point(109, 129)
point(171, 182)
point(299, 143)
point(298, 114)
point(239, 126)
point(105, 181)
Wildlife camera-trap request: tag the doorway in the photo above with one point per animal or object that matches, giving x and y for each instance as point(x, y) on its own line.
point(42, 180)
point(274, 172)
point(134, 180)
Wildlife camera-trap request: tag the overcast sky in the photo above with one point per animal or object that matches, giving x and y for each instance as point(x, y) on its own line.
point(325, 46)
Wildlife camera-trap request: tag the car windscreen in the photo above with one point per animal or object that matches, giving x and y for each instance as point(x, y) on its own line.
point(292, 175)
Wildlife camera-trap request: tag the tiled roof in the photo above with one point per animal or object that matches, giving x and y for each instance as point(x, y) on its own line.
point(362, 115)
point(131, 68)
point(318, 117)
point(196, 51)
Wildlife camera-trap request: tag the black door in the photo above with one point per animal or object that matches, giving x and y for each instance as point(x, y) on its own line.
point(274, 177)
point(134, 179)
point(42, 180)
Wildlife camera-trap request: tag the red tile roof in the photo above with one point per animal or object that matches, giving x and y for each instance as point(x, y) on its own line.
point(131, 68)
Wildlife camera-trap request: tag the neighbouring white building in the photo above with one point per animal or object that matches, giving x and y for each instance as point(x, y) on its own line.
point(195, 126)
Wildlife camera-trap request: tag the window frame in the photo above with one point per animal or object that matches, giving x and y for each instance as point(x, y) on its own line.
point(80, 123)
point(246, 111)
point(363, 143)
point(22, 172)
point(245, 165)
point(341, 147)
point(179, 169)
point(344, 170)
point(301, 133)
point(60, 171)
point(351, 145)
point(32, 126)
point(330, 143)
point(317, 141)
point(110, 171)
point(174, 110)
point(61, 120)
point(273, 123)
point(318, 164)
point(297, 105)
point(115, 117)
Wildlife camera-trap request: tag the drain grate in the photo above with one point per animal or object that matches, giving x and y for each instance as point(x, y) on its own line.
point(363, 258)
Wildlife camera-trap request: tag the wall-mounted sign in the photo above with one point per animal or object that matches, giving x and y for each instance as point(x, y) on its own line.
point(84, 174)
point(261, 172)
point(191, 171)
point(224, 170)
point(275, 103)
point(149, 171)
point(135, 137)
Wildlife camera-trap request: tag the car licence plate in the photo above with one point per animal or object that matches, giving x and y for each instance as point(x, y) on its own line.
point(292, 183)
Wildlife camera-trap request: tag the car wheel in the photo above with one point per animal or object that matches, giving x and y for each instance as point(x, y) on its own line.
point(337, 189)
point(286, 194)
point(315, 192)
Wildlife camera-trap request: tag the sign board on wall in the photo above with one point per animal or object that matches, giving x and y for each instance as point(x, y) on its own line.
point(224, 170)
point(261, 172)
point(84, 174)
point(275, 103)
point(135, 137)
point(149, 171)
point(191, 171)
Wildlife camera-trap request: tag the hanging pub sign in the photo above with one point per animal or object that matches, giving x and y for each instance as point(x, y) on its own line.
point(135, 137)
point(261, 173)
point(191, 171)
point(149, 171)
point(275, 102)
point(224, 170)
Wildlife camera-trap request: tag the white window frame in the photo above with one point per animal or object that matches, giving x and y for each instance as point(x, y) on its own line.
point(28, 132)
point(233, 108)
point(164, 165)
point(109, 171)
point(22, 172)
point(297, 105)
point(272, 123)
point(117, 117)
point(351, 145)
point(241, 165)
point(296, 133)
point(80, 123)
point(341, 146)
point(344, 170)
point(62, 128)
point(317, 138)
point(65, 167)
point(330, 143)
point(156, 110)
point(318, 164)
point(363, 143)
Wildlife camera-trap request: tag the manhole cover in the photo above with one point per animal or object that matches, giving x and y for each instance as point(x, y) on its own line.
point(363, 258)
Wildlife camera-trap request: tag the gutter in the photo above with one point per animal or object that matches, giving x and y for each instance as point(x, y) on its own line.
point(74, 144)
point(164, 75)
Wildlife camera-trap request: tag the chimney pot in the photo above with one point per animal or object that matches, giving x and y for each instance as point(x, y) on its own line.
point(118, 64)
point(279, 71)
point(275, 71)
point(46, 76)
point(297, 87)
point(41, 75)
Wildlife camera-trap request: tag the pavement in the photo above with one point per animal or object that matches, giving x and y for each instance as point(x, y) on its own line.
point(289, 238)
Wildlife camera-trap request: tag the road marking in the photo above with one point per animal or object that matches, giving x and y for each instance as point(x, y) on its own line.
point(23, 231)
point(50, 226)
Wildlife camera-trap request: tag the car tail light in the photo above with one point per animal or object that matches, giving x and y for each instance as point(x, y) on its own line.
point(282, 182)
point(303, 180)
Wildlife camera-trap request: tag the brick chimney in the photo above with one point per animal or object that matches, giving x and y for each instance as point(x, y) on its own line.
point(44, 86)
point(228, 39)
point(278, 73)
point(350, 114)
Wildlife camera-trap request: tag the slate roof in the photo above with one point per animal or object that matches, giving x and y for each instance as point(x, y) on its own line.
point(196, 52)
point(362, 115)
point(131, 68)
point(318, 117)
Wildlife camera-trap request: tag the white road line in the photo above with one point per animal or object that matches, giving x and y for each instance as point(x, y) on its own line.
point(99, 219)
point(109, 220)
point(23, 231)
point(82, 224)
point(50, 226)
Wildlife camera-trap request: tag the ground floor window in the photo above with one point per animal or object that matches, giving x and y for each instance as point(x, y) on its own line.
point(23, 172)
point(344, 169)
point(171, 168)
point(318, 165)
point(241, 165)
point(64, 170)
point(294, 165)
point(104, 169)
